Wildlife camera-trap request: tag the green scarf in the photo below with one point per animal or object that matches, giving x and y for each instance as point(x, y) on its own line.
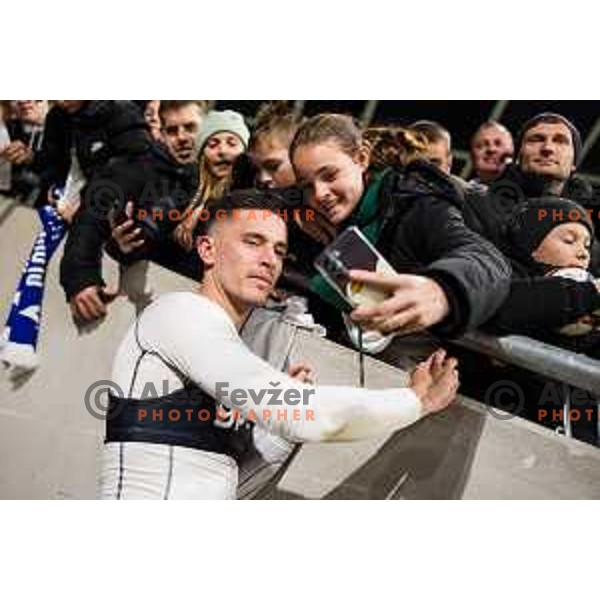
point(365, 219)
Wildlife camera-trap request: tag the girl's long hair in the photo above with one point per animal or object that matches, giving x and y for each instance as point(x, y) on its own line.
point(390, 146)
point(210, 188)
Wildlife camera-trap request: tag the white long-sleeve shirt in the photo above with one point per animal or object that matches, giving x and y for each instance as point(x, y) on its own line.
point(198, 338)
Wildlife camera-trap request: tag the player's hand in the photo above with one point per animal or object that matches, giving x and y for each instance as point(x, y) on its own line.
point(436, 381)
point(301, 372)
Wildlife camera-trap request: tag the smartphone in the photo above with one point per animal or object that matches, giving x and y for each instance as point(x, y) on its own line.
point(352, 250)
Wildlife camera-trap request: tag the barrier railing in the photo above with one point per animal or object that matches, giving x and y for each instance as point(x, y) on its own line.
point(576, 370)
point(556, 363)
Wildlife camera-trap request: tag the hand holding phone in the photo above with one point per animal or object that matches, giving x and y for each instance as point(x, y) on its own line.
point(414, 303)
point(351, 250)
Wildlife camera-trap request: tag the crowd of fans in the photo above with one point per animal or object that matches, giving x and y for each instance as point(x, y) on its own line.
point(509, 251)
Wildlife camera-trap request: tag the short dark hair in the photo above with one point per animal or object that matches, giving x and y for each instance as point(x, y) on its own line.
point(432, 131)
point(167, 105)
point(250, 199)
point(553, 118)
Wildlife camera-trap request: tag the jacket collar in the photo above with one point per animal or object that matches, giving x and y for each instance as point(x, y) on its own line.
point(533, 186)
point(368, 206)
point(166, 162)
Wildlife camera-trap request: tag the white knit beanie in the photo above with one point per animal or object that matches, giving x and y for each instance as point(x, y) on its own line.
point(218, 121)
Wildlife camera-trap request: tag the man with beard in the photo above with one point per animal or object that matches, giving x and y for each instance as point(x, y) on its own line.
point(180, 122)
point(221, 142)
point(161, 178)
point(548, 153)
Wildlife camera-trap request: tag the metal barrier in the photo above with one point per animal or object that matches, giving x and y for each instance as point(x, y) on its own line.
point(576, 370)
point(553, 362)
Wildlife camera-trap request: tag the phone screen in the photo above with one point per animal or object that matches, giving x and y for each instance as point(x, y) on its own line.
point(352, 250)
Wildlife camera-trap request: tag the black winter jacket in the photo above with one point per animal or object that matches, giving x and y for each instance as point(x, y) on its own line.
point(487, 212)
point(152, 180)
point(536, 305)
point(423, 232)
point(539, 304)
point(98, 132)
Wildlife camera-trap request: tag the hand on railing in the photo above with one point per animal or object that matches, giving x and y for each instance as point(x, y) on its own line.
point(436, 381)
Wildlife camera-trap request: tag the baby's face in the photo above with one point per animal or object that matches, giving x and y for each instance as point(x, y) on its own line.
point(567, 245)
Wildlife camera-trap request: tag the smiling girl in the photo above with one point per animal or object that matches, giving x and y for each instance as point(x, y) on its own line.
point(448, 276)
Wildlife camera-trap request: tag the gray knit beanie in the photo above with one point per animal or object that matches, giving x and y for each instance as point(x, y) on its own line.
point(226, 120)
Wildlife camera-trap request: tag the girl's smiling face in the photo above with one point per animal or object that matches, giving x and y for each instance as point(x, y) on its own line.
point(333, 178)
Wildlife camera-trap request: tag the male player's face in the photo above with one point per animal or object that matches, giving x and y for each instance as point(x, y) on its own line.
point(245, 255)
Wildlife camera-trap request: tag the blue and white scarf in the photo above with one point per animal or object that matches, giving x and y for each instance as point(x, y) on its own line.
point(20, 338)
